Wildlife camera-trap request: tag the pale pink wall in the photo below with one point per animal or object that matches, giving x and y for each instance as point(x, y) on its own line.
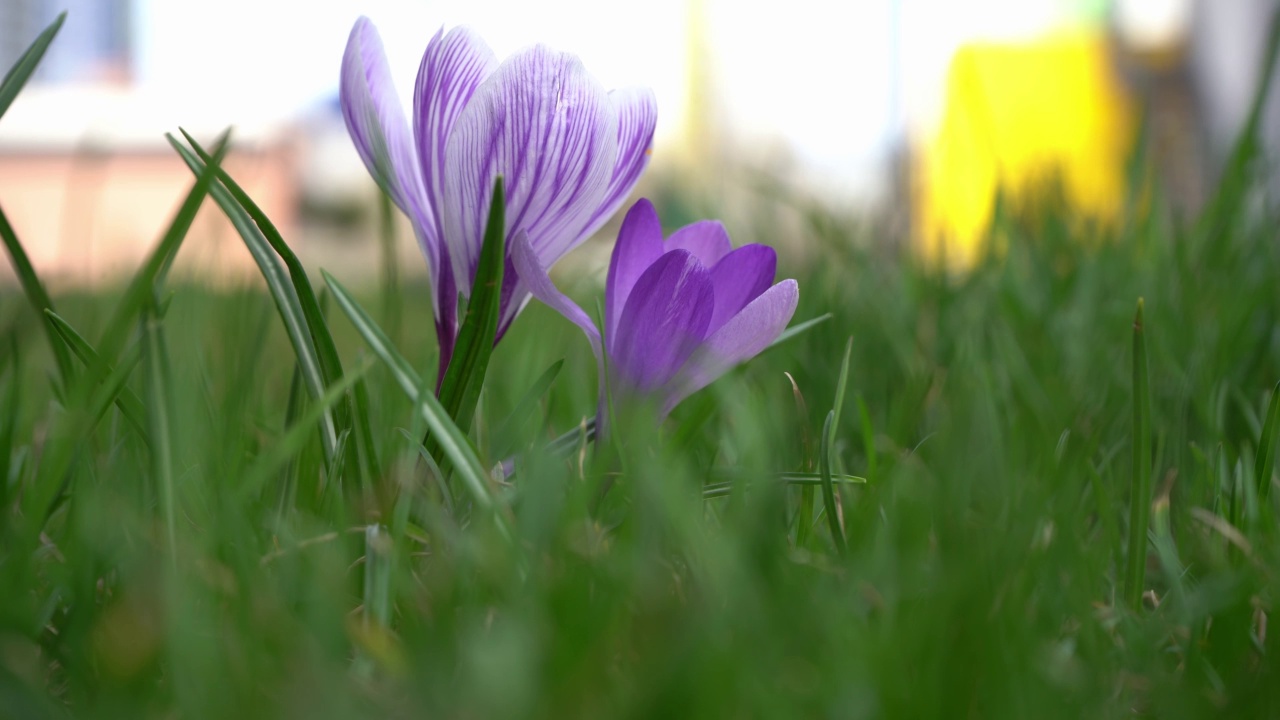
point(86, 218)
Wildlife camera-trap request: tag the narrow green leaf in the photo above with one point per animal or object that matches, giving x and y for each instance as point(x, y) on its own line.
point(282, 291)
point(453, 443)
point(721, 489)
point(1264, 462)
point(828, 488)
point(160, 417)
point(505, 436)
point(841, 385)
point(868, 437)
point(139, 291)
point(795, 330)
point(17, 76)
point(37, 296)
point(1140, 500)
point(128, 402)
point(326, 349)
point(463, 379)
point(300, 430)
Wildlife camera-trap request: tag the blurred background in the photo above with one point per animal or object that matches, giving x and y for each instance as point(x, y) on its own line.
point(906, 117)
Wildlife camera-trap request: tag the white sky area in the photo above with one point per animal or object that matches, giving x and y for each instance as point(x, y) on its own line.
point(833, 83)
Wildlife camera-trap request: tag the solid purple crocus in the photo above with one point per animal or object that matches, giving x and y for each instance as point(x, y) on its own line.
point(679, 313)
point(568, 151)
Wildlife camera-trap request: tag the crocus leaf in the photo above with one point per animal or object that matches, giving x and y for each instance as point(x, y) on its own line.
point(504, 438)
point(326, 350)
point(453, 443)
point(37, 296)
point(18, 75)
point(128, 402)
point(795, 330)
point(460, 389)
point(282, 291)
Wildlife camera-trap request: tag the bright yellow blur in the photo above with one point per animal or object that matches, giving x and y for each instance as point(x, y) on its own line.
point(1016, 115)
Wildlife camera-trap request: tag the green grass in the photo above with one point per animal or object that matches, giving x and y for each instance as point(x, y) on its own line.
point(1016, 500)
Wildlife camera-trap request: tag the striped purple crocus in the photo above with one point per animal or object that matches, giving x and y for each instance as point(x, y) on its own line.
point(679, 313)
point(568, 151)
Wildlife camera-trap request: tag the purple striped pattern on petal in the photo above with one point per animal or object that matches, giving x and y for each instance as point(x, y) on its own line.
point(452, 68)
point(743, 337)
point(546, 126)
point(706, 239)
point(664, 320)
point(637, 111)
point(377, 125)
point(639, 245)
point(740, 277)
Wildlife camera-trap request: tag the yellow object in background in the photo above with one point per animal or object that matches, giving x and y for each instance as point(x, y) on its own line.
point(1016, 116)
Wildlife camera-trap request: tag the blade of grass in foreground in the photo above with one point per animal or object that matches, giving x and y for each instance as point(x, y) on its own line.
point(803, 327)
point(128, 402)
point(326, 349)
point(504, 437)
point(1264, 463)
point(160, 417)
point(828, 489)
point(1140, 500)
point(35, 292)
point(17, 76)
point(453, 443)
point(282, 292)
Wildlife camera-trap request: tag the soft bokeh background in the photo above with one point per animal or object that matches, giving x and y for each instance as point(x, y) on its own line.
point(903, 115)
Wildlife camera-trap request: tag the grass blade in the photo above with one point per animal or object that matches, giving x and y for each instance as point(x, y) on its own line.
point(1140, 501)
point(1264, 463)
point(17, 76)
point(160, 417)
point(286, 299)
point(35, 292)
point(795, 330)
point(504, 437)
point(828, 488)
point(453, 443)
point(326, 349)
point(128, 402)
point(460, 389)
point(139, 291)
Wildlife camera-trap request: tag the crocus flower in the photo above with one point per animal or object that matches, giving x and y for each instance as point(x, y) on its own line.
point(679, 313)
point(569, 153)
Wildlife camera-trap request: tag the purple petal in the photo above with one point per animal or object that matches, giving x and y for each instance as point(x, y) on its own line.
point(665, 318)
point(706, 239)
point(740, 277)
point(639, 246)
point(547, 127)
point(739, 340)
point(534, 276)
point(378, 128)
point(637, 111)
point(452, 68)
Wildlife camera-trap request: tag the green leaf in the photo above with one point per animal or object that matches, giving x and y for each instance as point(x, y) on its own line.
point(1264, 463)
point(18, 75)
point(505, 436)
point(128, 402)
point(795, 330)
point(139, 291)
point(828, 489)
point(282, 291)
point(464, 378)
point(35, 292)
point(160, 421)
point(721, 489)
point(453, 443)
point(1140, 500)
point(326, 349)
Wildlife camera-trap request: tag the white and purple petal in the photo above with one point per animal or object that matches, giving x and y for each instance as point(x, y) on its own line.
point(665, 319)
point(637, 112)
point(547, 127)
point(378, 127)
point(453, 66)
point(741, 338)
point(525, 261)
